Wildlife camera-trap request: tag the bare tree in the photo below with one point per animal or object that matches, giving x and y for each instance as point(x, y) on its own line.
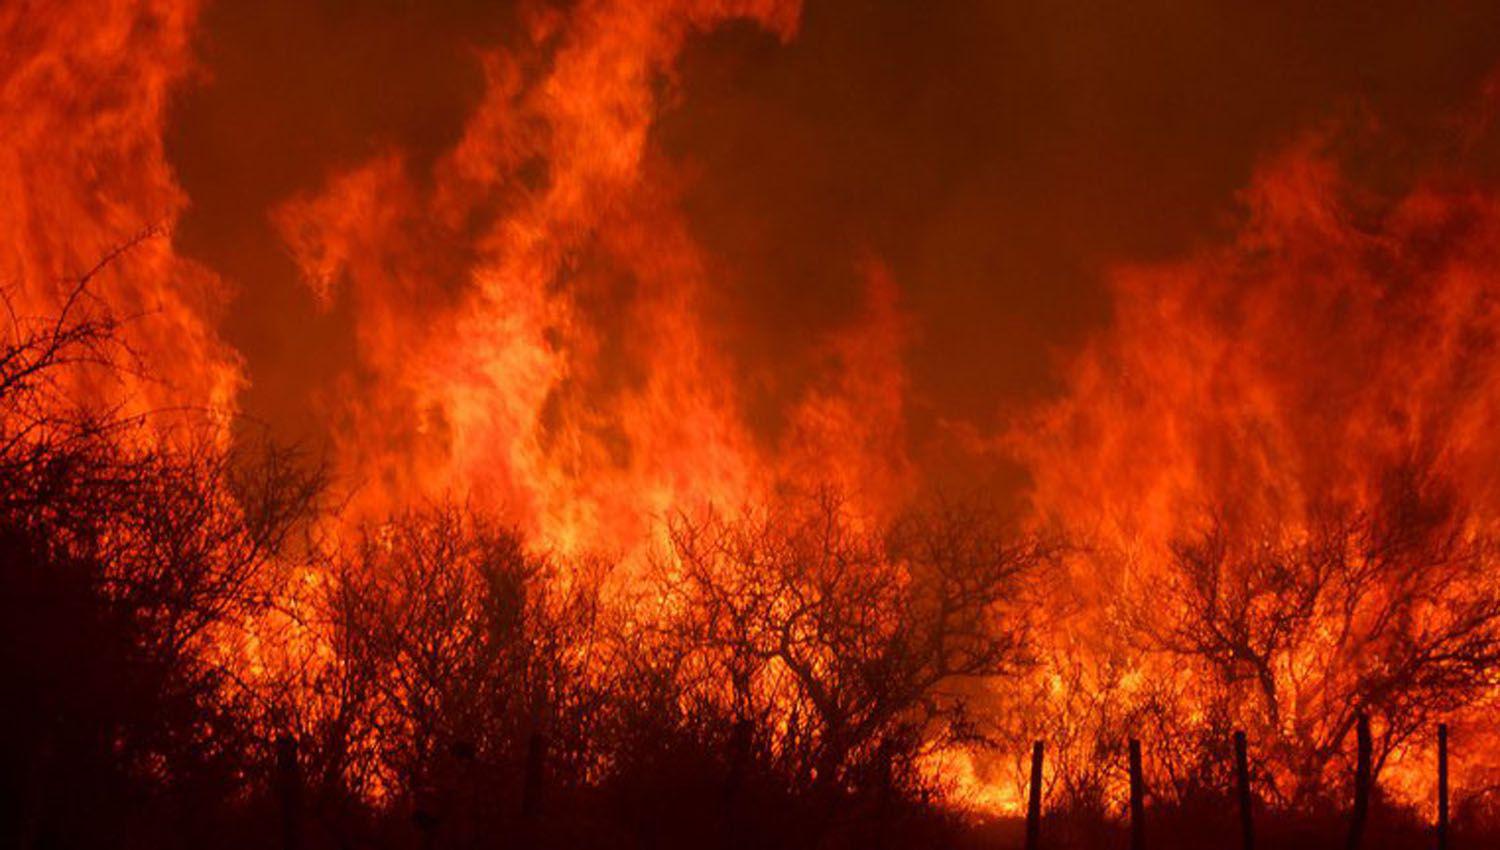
point(1385, 610)
point(851, 649)
point(126, 563)
point(457, 654)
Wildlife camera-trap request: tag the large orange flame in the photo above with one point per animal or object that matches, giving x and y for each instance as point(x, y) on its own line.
point(1335, 337)
point(1340, 341)
point(84, 91)
point(530, 315)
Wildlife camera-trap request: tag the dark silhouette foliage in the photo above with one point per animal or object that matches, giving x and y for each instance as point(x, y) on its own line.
point(189, 662)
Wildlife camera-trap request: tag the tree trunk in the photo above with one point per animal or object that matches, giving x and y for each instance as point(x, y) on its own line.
point(1242, 783)
point(1361, 785)
point(533, 783)
point(1442, 823)
point(1137, 799)
point(1034, 804)
point(289, 792)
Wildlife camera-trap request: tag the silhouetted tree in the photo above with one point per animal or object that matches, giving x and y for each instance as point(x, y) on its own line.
point(849, 650)
point(1387, 610)
point(128, 559)
point(462, 671)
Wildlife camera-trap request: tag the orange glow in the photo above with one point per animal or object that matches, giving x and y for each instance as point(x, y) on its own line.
point(533, 318)
point(1338, 349)
point(529, 317)
point(84, 92)
point(1330, 341)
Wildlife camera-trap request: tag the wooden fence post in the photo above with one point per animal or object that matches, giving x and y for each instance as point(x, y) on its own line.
point(1442, 824)
point(1242, 784)
point(1137, 799)
point(533, 783)
point(289, 792)
point(741, 742)
point(1034, 803)
point(1361, 785)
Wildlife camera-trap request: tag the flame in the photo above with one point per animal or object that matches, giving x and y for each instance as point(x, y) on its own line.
point(1326, 343)
point(1336, 340)
point(532, 322)
point(84, 91)
point(530, 315)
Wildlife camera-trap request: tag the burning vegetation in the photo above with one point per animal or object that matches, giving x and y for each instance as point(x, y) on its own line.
point(550, 579)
